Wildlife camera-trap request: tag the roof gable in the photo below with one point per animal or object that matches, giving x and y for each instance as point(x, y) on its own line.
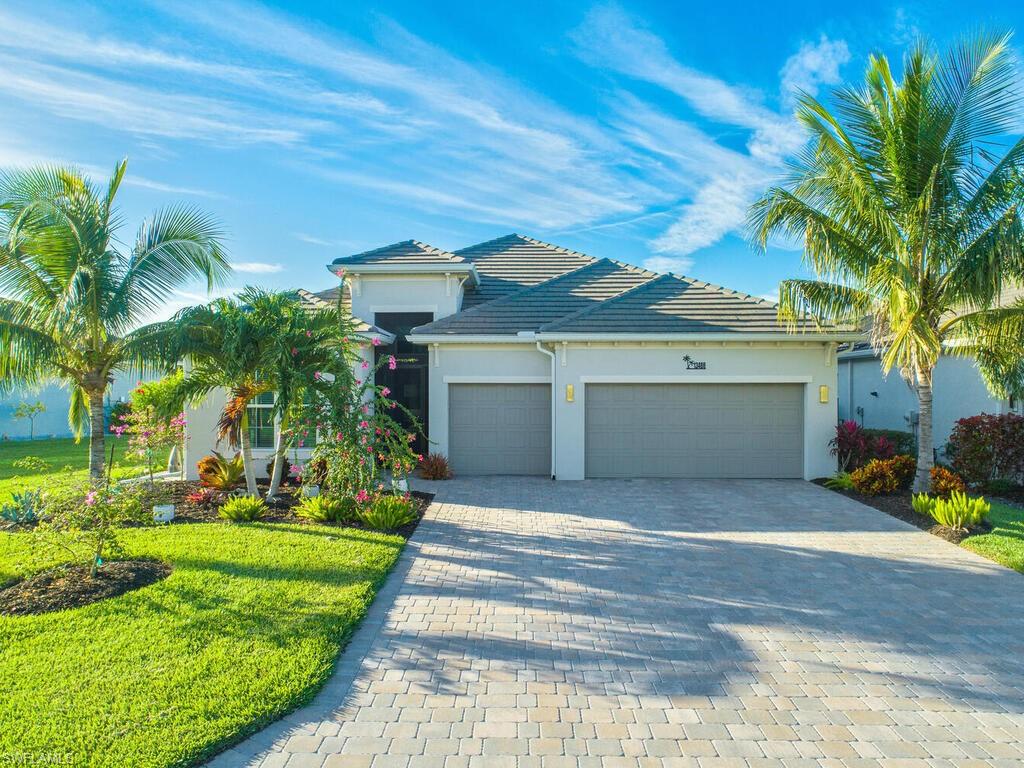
point(510, 263)
point(405, 253)
point(530, 308)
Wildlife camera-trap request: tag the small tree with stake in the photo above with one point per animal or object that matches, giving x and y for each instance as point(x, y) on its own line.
point(26, 410)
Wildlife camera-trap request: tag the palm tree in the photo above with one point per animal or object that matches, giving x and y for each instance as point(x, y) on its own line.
point(907, 199)
point(227, 346)
point(310, 342)
point(73, 301)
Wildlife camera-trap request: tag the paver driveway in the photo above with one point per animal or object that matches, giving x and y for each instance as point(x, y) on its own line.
point(664, 623)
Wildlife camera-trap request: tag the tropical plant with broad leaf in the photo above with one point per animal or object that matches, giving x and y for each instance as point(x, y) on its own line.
point(907, 201)
point(73, 303)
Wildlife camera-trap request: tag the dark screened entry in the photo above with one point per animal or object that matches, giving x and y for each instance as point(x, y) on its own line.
point(408, 382)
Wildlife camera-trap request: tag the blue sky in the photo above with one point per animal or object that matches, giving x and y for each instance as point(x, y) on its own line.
point(634, 130)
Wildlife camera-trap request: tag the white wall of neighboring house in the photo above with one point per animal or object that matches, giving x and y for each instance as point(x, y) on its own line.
point(57, 398)
point(958, 392)
point(736, 362)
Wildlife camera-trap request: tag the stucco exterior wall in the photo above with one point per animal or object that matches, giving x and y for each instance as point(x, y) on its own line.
point(478, 364)
point(382, 293)
point(577, 364)
point(958, 391)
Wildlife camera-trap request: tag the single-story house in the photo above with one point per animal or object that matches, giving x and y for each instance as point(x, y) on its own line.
point(525, 358)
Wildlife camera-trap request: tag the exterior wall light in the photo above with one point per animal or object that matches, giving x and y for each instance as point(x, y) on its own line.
point(823, 393)
point(570, 393)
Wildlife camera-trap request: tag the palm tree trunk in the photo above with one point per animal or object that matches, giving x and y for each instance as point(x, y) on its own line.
point(96, 429)
point(925, 452)
point(279, 451)
point(250, 473)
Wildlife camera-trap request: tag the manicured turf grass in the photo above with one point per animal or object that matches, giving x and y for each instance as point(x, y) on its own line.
point(1005, 544)
point(245, 629)
point(61, 453)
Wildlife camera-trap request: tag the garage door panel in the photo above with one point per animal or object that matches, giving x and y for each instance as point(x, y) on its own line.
point(499, 429)
point(694, 430)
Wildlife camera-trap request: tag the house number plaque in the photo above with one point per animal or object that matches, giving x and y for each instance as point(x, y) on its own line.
point(694, 365)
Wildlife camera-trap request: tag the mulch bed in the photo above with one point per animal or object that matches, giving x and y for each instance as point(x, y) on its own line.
point(69, 586)
point(898, 505)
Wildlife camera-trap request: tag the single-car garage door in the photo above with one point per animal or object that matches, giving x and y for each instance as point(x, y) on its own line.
point(499, 429)
point(694, 430)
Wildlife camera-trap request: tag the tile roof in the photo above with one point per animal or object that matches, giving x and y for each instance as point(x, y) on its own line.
point(513, 262)
point(329, 299)
point(672, 304)
point(530, 308)
point(407, 252)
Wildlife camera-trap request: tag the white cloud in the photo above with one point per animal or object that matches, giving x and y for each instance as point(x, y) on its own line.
point(813, 65)
point(719, 182)
point(719, 208)
point(257, 267)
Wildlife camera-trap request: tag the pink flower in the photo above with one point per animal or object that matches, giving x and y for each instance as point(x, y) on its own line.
point(362, 495)
point(365, 365)
point(392, 404)
point(90, 498)
point(392, 363)
point(309, 334)
point(317, 375)
point(376, 341)
point(364, 424)
point(295, 351)
point(338, 436)
point(385, 391)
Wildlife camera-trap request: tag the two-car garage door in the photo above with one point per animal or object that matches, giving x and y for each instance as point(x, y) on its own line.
point(694, 430)
point(633, 430)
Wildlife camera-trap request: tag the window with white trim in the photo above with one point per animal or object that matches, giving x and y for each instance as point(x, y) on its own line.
point(261, 420)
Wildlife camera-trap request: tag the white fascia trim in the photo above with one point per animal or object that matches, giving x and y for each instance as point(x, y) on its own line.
point(344, 270)
point(744, 337)
point(696, 378)
point(497, 379)
point(481, 339)
point(403, 308)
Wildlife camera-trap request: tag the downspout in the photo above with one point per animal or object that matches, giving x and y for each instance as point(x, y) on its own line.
point(554, 395)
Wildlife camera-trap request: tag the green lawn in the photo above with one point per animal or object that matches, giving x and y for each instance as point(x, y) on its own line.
point(62, 453)
point(1005, 544)
point(245, 629)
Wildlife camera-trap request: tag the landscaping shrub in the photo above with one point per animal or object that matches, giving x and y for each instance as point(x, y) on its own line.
point(83, 521)
point(434, 466)
point(960, 511)
point(243, 509)
point(944, 482)
point(388, 512)
point(24, 507)
point(922, 504)
point(288, 472)
point(855, 446)
point(880, 476)
point(327, 509)
point(204, 497)
point(841, 482)
point(988, 447)
point(221, 473)
point(902, 442)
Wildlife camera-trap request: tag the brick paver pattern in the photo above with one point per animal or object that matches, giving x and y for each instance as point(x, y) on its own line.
point(669, 623)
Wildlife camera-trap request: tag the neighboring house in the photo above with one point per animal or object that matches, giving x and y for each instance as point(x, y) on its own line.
point(54, 421)
point(525, 358)
point(877, 401)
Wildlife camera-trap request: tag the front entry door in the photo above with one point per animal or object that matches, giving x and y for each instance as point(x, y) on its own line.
point(408, 382)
